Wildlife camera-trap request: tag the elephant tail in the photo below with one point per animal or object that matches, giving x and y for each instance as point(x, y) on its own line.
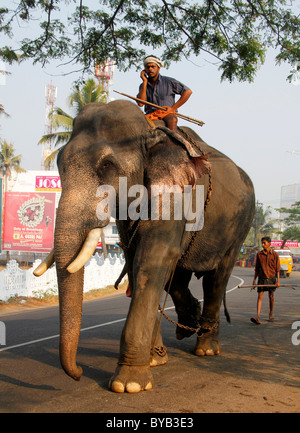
point(122, 274)
point(227, 315)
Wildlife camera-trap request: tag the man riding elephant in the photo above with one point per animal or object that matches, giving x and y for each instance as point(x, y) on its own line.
point(161, 91)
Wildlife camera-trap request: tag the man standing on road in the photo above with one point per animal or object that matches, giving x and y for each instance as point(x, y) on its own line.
point(161, 90)
point(267, 269)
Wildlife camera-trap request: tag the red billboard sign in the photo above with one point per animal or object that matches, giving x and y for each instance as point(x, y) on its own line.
point(28, 221)
point(47, 183)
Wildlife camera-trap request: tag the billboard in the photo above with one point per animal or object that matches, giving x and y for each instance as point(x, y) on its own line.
point(29, 221)
point(288, 244)
point(47, 183)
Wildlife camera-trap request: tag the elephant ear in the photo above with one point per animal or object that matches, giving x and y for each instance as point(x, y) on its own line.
point(200, 167)
point(190, 146)
point(170, 169)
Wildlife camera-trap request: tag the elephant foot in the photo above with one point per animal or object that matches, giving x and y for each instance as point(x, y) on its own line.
point(159, 356)
point(182, 333)
point(207, 343)
point(132, 379)
point(189, 319)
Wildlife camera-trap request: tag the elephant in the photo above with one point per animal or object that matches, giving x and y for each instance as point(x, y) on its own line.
point(113, 141)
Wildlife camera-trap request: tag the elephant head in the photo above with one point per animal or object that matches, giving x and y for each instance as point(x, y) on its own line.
point(108, 142)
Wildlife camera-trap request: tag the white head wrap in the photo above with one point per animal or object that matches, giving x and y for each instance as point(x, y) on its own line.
point(152, 59)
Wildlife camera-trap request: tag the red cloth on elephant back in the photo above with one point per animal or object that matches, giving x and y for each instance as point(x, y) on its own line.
point(128, 291)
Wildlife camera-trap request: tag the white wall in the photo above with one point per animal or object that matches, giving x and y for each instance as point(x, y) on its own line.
point(99, 273)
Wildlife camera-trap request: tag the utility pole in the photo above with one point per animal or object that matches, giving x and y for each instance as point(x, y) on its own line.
point(50, 94)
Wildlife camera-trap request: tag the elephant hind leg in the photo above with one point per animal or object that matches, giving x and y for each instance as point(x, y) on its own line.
point(214, 286)
point(208, 334)
point(187, 307)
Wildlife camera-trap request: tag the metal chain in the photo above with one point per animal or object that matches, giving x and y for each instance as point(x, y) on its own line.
point(159, 350)
point(214, 322)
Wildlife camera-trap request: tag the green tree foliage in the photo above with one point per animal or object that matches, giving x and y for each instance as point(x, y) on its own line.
point(262, 221)
point(291, 221)
point(235, 33)
point(262, 225)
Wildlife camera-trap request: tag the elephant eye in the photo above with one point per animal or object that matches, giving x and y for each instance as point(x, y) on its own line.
point(107, 164)
point(104, 168)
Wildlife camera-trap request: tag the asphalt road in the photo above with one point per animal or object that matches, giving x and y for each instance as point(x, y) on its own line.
point(257, 371)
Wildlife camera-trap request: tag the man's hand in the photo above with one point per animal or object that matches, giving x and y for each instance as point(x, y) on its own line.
point(144, 76)
point(253, 284)
point(169, 109)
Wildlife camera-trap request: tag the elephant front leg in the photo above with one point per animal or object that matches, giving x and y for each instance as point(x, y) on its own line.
point(150, 273)
point(139, 378)
point(158, 352)
point(131, 379)
point(133, 372)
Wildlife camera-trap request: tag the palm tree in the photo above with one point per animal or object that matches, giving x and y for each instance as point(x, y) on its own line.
point(90, 92)
point(262, 225)
point(9, 161)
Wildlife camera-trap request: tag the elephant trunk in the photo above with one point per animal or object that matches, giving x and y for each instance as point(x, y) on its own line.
point(68, 242)
point(70, 301)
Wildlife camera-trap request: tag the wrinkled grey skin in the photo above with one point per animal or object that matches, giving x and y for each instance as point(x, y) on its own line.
point(115, 140)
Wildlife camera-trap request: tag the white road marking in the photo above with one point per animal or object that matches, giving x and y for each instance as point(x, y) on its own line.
point(100, 325)
point(56, 336)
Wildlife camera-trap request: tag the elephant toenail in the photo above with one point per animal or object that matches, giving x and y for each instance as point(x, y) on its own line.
point(117, 386)
point(148, 386)
point(133, 387)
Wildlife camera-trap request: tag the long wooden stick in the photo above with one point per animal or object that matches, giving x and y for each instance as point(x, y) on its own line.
point(268, 285)
point(182, 116)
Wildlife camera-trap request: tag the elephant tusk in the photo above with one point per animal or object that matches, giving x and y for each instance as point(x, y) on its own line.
point(42, 268)
point(86, 252)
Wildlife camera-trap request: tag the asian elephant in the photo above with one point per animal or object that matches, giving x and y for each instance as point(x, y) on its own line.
point(114, 141)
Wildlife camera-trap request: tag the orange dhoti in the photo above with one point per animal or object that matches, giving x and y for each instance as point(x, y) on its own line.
point(159, 114)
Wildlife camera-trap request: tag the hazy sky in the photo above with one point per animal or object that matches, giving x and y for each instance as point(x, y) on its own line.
point(256, 125)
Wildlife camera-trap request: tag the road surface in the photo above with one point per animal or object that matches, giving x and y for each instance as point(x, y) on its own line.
point(257, 371)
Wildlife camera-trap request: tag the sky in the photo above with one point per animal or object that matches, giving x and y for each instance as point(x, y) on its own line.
point(256, 125)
